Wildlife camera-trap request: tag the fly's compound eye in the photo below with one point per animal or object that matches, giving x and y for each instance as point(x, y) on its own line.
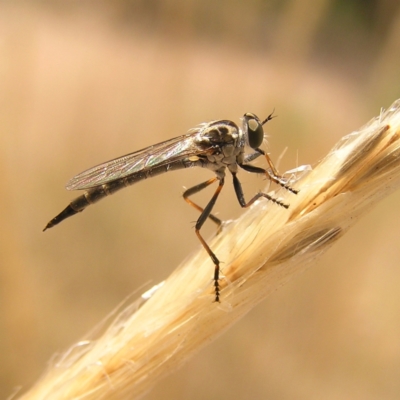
point(254, 129)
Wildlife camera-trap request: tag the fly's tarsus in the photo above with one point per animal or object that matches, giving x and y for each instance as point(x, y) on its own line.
point(280, 181)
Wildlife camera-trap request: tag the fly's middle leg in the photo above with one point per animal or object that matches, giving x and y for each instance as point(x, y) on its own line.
point(195, 189)
point(242, 201)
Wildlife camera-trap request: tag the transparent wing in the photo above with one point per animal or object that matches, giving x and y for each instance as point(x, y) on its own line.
point(159, 154)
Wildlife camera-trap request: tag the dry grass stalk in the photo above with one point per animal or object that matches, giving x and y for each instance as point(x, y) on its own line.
point(261, 250)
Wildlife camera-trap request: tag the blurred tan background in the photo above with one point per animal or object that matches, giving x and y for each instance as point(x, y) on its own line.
point(84, 82)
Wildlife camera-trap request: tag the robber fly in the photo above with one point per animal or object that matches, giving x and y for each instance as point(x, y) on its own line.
point(216, 145)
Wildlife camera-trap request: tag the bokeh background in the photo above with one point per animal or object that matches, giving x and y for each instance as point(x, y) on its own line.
point(83, 82)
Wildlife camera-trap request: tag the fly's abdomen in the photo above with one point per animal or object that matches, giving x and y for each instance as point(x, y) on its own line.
point(90, 197)
point(93, 195)
point(67, 212)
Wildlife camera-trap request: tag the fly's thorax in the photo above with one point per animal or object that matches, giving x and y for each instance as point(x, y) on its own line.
point(240, 157)
point(221, 133)
point(226, 140)
point(218, 157)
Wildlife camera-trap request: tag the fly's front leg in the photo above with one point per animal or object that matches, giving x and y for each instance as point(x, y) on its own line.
point(252, 156)
point(272, 173)
point(206, 213)
point(195, 189)
point(240, 196)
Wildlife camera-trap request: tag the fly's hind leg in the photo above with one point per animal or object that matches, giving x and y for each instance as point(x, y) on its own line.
point(195, 189)
point(206, 213)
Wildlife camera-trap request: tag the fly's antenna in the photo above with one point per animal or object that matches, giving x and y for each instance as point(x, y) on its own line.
point(270, 116)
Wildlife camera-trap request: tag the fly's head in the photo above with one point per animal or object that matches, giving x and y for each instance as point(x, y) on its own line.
point(253, 129)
